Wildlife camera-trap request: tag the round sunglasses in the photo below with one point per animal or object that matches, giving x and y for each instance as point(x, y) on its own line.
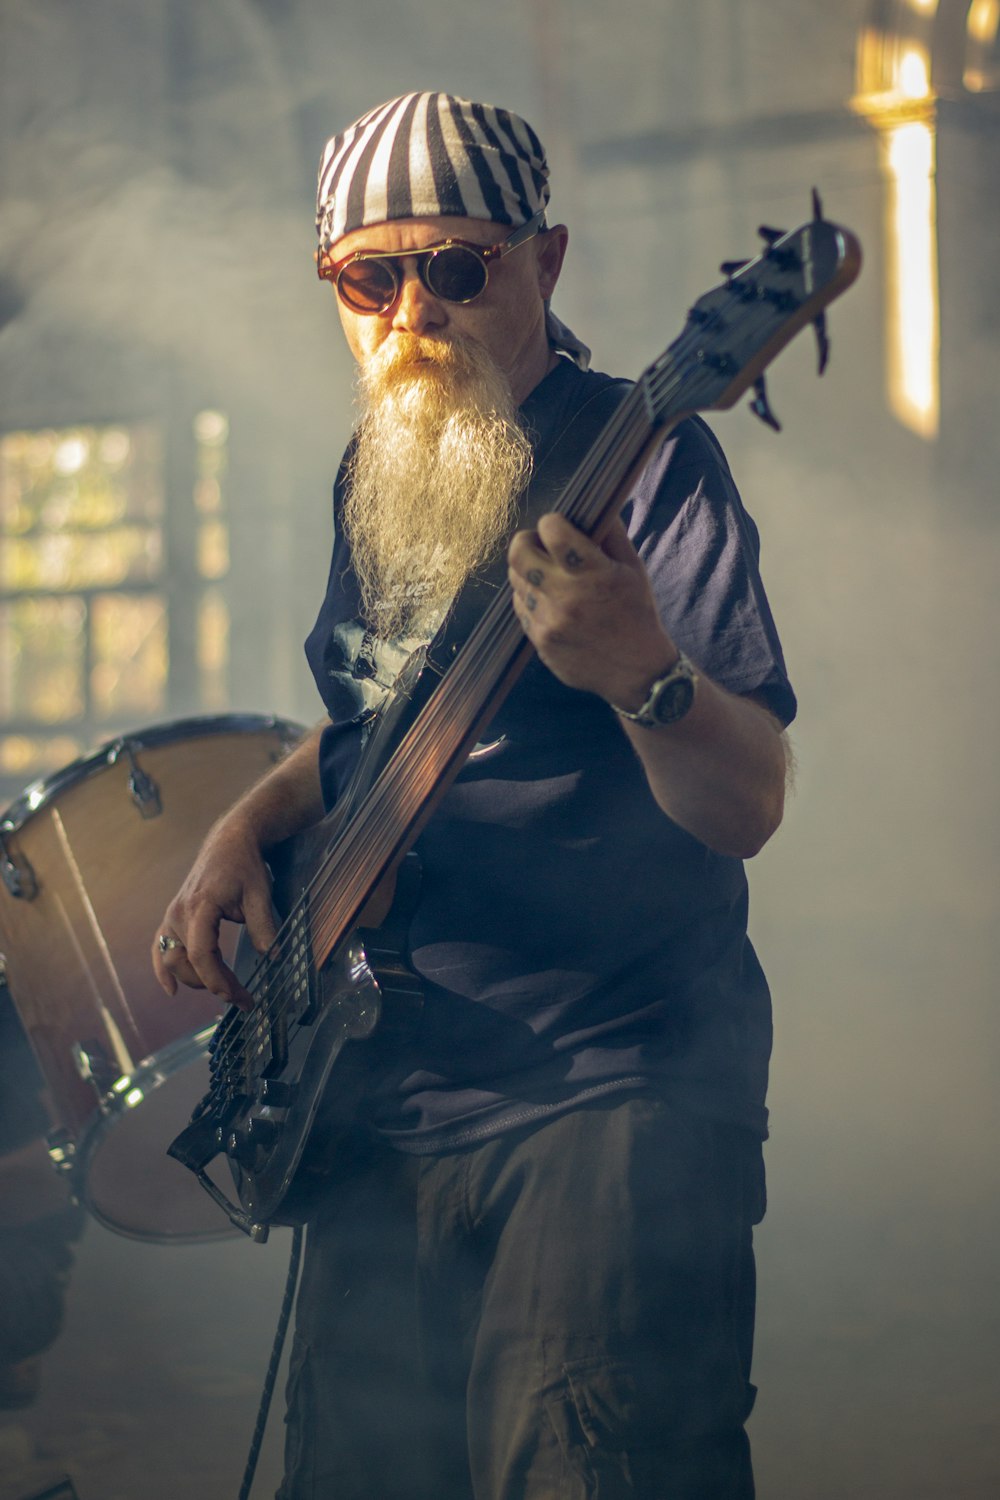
point(369, 281)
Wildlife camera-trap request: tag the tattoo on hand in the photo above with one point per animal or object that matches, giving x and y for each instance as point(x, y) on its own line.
point(536, 577)
point(530, 602)
point(572, 559)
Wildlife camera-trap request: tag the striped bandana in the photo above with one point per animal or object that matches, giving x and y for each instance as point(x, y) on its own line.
point(436, 156)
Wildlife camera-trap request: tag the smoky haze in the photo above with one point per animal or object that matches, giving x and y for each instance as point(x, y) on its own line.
point(156, 168)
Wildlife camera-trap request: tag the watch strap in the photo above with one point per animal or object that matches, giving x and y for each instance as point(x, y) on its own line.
point(683, 670)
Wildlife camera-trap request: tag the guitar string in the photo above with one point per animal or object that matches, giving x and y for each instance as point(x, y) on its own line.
point(490, 644)
point(573, 513)
point(499, 636)
point(371, 820)
point(652, 375)
point(663, 372)
point(370, 824)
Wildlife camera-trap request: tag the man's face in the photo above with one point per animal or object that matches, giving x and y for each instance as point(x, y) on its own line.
point(508, 318)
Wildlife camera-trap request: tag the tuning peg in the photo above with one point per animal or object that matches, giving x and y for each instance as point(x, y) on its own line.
point(761, 406)
point(769, 235)
point(822, 341)
point(730, 267)
point(817, 205)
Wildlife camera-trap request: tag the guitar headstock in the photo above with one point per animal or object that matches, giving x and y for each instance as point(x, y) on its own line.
point(734, 331)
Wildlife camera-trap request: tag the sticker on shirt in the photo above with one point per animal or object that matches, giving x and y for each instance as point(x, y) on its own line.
point(370, 664)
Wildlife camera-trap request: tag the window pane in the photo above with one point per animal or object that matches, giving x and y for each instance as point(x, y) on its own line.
point(129, 647)
point(213, 650)
point(27, 757)
point(213, 549)
point(211, 431)
point(80, 477)
point(82, 560)
point(42, 650)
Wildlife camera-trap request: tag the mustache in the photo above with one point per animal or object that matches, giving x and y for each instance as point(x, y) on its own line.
point(404, 354)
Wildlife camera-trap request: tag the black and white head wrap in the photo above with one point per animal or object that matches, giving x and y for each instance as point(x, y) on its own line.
point(438, 156)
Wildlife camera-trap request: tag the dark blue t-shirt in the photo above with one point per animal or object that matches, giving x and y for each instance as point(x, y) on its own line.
point(573, 941)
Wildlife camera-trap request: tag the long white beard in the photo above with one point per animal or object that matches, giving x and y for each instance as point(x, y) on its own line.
point(439, 464)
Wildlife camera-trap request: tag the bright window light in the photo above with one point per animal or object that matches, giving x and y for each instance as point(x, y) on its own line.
point(913, 319)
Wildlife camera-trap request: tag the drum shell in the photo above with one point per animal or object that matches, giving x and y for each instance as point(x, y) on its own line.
point(78, 950)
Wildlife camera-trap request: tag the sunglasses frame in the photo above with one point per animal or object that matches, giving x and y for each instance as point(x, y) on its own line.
point(328, 270)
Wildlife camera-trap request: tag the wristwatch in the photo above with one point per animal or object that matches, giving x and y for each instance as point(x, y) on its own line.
point(668, 699)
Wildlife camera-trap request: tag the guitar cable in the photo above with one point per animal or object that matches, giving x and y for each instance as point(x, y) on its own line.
point(277, 1348)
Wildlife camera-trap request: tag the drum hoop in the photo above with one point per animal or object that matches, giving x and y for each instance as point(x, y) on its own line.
point(40, 793)
point(115, 1106)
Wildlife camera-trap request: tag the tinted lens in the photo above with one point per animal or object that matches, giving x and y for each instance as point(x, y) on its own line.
point(367, 285)
point(456, 274)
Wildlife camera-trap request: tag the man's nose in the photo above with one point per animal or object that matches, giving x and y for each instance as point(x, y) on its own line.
point(417, 310)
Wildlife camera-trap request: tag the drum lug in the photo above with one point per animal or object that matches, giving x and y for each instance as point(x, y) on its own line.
point(95, 1066)
point(142, 788)
point(19, 879)
point(291, 735)
point(62, 1151)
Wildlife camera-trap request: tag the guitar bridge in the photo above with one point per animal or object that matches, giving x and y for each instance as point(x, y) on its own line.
point(194, 1148)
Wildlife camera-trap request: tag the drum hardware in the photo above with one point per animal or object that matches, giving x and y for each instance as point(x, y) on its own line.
point(288, 735)
point(95, 1066)
point(142, 788)
point(19, 880)
point(123, 1067)
point(62, 1151)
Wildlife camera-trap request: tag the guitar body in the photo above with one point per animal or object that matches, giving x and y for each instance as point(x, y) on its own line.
point(306, 1087)
point(269, 1108)
point(277, 1113)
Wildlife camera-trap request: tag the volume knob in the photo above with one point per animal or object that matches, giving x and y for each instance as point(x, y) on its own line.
point(277, 1094)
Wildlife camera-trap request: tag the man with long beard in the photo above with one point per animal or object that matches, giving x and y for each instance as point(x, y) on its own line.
point(532, 1274)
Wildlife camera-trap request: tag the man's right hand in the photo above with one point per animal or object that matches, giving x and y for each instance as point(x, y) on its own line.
point(230, 881)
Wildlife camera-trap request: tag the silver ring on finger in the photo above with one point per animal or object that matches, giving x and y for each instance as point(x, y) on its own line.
point(166, 943)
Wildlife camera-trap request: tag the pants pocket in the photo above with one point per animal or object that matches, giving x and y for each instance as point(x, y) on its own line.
point(600, 1427)
point(617, 1445)
point(300, 1420)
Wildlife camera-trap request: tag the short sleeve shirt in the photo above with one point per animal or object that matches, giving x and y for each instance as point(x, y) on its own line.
point(572, 941)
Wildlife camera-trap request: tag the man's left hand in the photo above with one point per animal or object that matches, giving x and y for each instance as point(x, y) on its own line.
point(590, 613)
point(589, 610)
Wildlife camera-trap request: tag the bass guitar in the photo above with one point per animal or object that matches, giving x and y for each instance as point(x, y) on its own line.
point(323, 987)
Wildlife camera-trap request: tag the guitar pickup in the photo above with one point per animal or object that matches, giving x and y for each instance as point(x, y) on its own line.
point(267, 1053)
point(298, 981)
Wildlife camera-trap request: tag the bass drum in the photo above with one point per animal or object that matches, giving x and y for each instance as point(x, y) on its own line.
point(89, 860)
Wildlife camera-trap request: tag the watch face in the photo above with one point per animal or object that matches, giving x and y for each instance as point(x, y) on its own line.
point(672, 701)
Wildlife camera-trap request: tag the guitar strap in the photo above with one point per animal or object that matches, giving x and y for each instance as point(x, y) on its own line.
point(552, 472)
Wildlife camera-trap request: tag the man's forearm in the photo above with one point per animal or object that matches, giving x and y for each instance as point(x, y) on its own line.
point(229, 880)
point(719, 772)
point(286, 800)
